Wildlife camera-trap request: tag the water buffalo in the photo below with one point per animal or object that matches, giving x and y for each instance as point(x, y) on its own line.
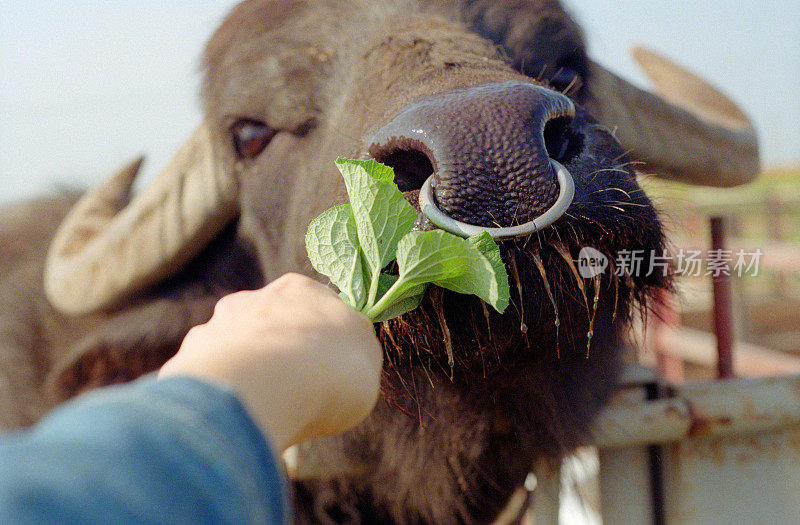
point(479, 94)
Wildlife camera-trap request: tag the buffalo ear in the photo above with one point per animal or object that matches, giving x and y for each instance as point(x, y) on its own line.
point(125, 347)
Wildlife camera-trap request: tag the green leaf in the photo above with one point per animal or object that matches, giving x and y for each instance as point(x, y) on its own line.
point(387, 282)
point(430, 256)
point(375, 169)
point(382, 214)
point(486, 274)
point(405, 301)
point(332, 246)
point(471, 266)
point(353, 243)
point(400, 307)
point(422, 258)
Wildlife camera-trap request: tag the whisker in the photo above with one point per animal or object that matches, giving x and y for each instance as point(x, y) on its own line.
point(570, 85)
point(625, 152)
point(612, 189)
point(515, 273)
point(540, 266)
point(590, 333)
point(564, 253)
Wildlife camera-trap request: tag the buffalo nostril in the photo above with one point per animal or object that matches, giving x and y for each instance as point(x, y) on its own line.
point(488, 148)
point(560, 141)
point(410, 161)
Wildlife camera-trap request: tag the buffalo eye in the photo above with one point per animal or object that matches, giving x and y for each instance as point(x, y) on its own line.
point(250, 137)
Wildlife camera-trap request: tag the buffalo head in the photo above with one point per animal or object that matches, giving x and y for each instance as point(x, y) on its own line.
point(479, 97)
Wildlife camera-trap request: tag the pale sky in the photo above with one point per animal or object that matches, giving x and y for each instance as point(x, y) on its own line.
point(86, 85)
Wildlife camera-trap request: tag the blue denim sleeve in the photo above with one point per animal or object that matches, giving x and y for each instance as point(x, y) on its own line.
point(173, 451)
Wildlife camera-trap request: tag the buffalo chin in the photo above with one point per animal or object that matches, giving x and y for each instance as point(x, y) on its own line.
point(552, 357)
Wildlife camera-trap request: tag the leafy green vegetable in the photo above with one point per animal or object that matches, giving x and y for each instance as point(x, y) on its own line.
point(332, 245)
point(399, 307)
point(381, 213)
point(485, 275)
point(354, 243)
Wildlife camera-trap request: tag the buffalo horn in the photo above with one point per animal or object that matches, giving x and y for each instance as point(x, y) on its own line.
point(107, 248)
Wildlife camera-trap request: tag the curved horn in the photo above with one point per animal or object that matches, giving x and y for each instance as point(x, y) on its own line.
point(104, 251)
point(692, 132)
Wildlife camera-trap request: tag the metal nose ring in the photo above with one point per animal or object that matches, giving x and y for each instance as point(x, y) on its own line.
point(462, 229)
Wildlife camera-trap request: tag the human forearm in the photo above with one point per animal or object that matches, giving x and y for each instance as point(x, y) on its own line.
point(181, 450)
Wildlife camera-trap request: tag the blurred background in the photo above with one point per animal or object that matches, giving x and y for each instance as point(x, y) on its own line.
point(88, 84)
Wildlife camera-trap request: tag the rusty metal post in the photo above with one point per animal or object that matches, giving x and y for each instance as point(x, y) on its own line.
point(666, 319)
point(723, 311)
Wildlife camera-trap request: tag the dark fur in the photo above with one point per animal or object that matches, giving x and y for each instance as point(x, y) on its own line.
point(443, 445)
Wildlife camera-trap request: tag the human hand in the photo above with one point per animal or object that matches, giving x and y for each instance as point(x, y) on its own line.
point(303, 362)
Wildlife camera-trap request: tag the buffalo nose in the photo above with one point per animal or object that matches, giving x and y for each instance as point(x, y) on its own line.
point(488, 148)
